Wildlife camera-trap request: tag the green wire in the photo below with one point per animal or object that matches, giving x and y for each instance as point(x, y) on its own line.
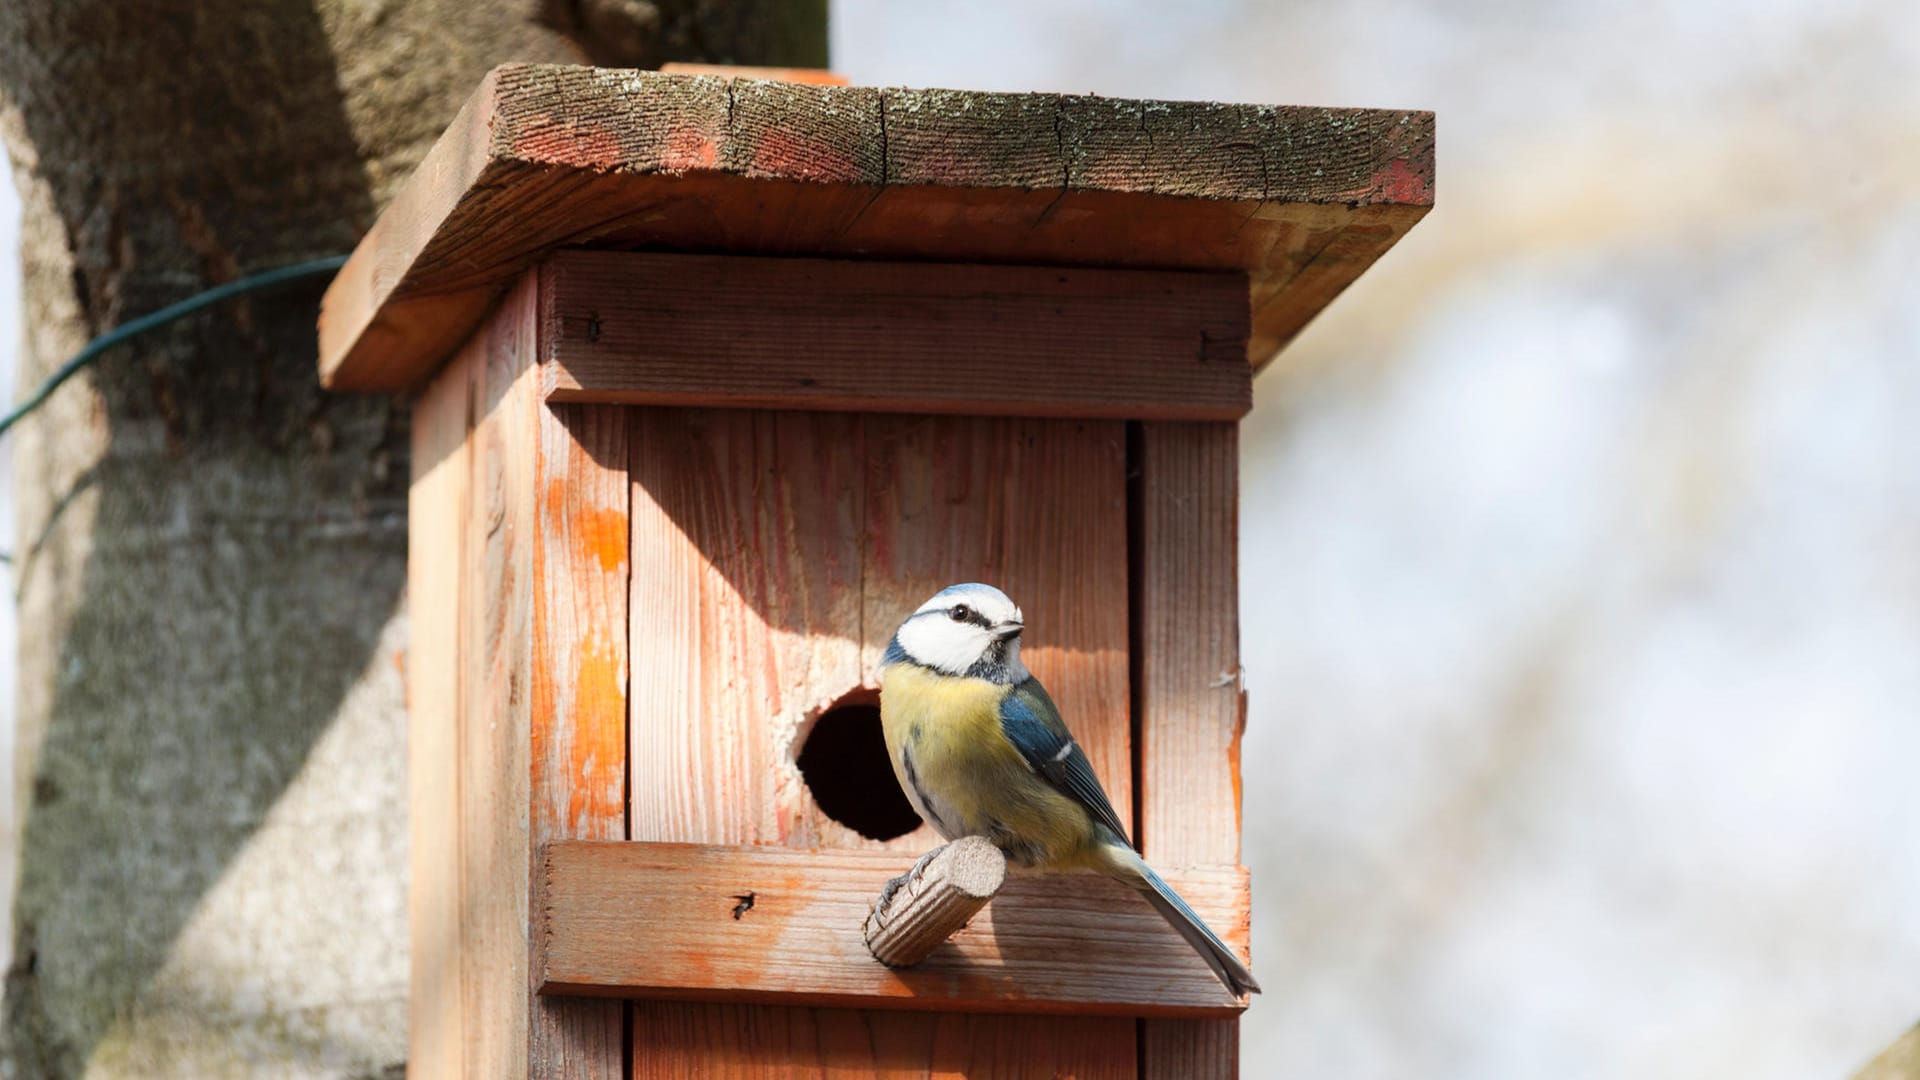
point(251, 283)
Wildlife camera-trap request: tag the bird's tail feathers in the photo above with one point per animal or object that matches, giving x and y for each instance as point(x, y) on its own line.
point(1225, 963)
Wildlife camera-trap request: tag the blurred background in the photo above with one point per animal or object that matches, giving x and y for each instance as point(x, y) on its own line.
point(1581, 538)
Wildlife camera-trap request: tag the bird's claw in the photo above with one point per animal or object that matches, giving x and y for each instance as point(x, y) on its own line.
point(886, 892)
point(921, 863)
point(894, 885)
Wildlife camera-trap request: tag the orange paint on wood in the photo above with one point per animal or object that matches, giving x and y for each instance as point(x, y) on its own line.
point(579, 686)
point(594, 803)
point(581, 589)
point(598, 532)
point(688, 149)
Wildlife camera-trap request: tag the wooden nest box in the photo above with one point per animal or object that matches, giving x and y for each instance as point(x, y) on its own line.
point(719, 378)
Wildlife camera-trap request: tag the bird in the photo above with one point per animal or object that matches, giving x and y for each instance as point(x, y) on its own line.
point(980, 750)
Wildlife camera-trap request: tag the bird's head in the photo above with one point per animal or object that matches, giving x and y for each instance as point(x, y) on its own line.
point(971, 630)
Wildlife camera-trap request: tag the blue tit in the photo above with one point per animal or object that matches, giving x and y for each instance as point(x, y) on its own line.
point(980, 750)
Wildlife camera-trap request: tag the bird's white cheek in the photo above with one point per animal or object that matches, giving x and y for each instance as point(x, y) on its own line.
point(944, 646)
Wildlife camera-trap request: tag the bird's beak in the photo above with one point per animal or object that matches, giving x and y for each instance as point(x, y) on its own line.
point(1009, 629)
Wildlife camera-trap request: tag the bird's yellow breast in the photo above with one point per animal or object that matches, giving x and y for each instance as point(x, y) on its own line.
point(967, 778)
point(948, 720)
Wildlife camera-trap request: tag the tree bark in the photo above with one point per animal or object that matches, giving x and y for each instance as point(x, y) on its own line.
point(211, 552)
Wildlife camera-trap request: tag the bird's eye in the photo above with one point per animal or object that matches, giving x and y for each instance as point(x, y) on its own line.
point(961, 613)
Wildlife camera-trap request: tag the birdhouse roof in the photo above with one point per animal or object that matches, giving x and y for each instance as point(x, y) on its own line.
point(542, 157)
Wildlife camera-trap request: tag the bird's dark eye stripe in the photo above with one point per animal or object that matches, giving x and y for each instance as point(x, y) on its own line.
point(962, 613)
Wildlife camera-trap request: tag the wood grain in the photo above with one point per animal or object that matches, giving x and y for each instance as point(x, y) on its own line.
point(642, 328)
point(496, 647)
point(1299, 199)
point(1035, 507)
point(578, 741)
point(746, 582)
point(1038, 508)
point(658, 920)
point(1190, 678)
point(437, 516)
point(1190, 702)
point(580, 625)
point(772, 554)
point(746, 603)
point(752, 1044)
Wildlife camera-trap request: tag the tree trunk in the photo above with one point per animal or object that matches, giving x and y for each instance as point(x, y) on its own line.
point(211, 551)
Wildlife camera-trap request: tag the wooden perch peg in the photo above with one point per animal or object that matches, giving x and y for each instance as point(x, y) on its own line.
point(931, 902)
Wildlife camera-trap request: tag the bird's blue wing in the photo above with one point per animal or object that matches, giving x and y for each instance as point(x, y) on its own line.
point(1032, 724)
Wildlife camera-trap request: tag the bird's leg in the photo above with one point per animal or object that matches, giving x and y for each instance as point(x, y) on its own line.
point(893, 885)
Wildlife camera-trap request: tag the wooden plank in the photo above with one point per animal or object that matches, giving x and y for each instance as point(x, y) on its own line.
point(745, 615)
point(436, 519)
point(1300, 199)
point(746, 603)
point(1190, 688)
point(643, 328)
point(1035, 507)
point(497, 646)
point(1191, 705)
point(750, 1044)
point(1038, 508)
point(1329, 261)
point(578, 742)
point(770, 549)
point(659, 920)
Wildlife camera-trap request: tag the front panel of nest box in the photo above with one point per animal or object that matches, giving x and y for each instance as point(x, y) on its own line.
point(774, 553)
